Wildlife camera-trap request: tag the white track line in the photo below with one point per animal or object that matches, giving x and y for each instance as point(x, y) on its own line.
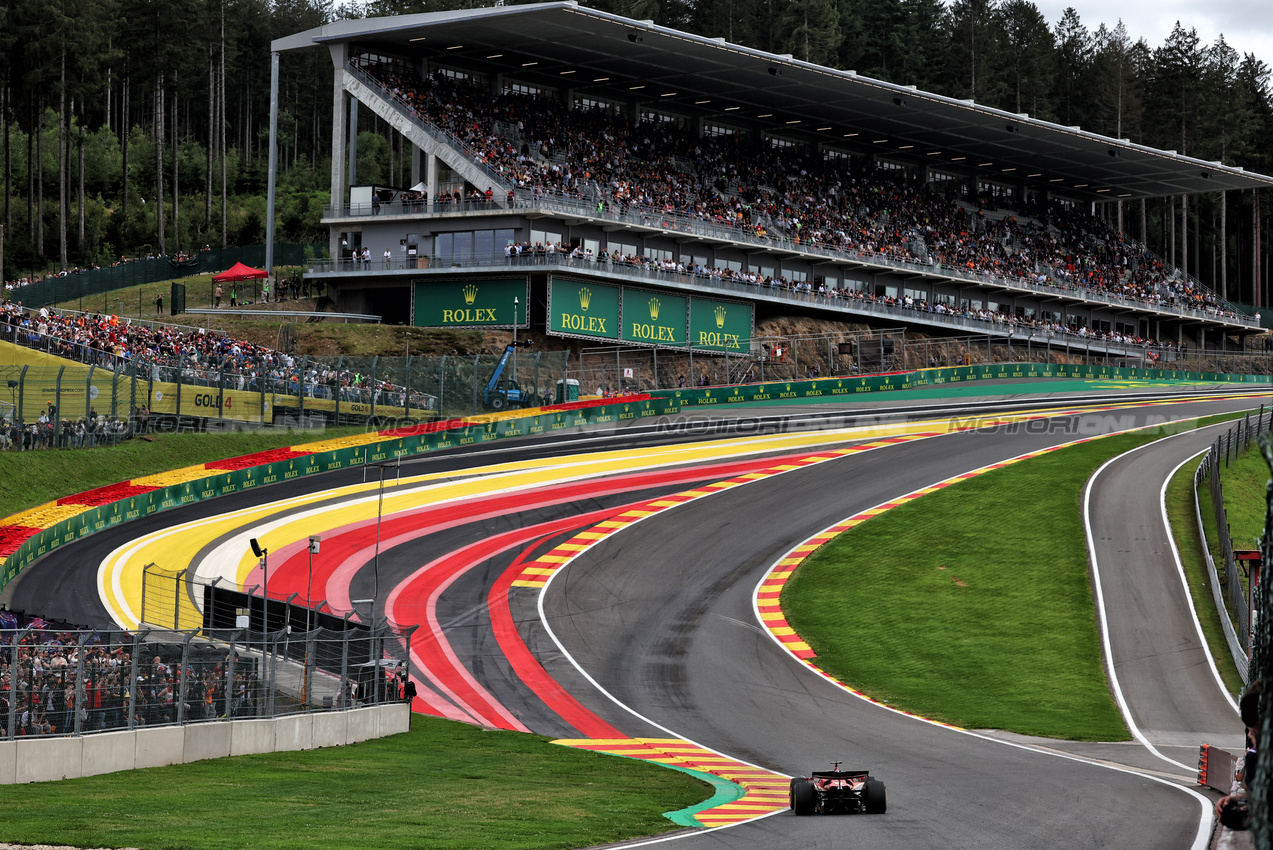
point(1184, 583)
point(1104, 618)
point(1201, 837)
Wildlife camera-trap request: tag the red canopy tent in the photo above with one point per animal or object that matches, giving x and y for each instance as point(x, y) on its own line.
point(240, 272)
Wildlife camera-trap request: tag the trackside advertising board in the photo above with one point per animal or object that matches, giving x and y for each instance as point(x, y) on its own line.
point(654, 318)
point(210, 402)
point(588, 310)
point(721, 325)
point(478, 303)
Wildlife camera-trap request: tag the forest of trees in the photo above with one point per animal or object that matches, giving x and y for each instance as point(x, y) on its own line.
point(112, 105)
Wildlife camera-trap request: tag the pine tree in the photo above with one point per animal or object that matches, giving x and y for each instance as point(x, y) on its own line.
point(1028, 56)
point(811, 31)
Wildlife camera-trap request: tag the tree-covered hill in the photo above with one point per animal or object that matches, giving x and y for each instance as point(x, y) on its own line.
point(138, 126)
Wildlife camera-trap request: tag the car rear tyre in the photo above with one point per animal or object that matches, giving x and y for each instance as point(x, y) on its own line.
point(802, 796)
point(873, 795)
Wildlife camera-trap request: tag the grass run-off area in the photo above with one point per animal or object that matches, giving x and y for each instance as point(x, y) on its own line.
point(1244, 480)
point(32, 478)
point(1184, 526)
point(443, 786)
point(971, 605)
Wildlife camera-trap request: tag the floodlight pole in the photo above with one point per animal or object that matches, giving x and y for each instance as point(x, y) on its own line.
point(314, 541)
point(272, 172)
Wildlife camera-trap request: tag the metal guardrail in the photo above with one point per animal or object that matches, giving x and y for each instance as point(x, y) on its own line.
point(1239, 599)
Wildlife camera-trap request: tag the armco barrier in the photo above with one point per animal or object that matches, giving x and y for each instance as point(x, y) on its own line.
point(418, 439)
point(835, 387)
point(48, 759)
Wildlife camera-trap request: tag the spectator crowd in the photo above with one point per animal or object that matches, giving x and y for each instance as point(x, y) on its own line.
point(52, 700)
point(734, 180)
point(169, 353)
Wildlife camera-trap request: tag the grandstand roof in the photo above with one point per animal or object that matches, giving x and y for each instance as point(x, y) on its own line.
point(593, 53)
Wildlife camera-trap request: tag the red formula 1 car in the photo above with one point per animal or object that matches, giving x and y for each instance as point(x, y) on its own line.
point(838, 791)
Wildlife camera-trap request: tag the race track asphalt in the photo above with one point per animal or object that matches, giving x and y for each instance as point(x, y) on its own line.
point(676, 641)
point(1159, 658)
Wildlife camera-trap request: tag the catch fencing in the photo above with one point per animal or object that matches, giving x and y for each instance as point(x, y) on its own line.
point(88, 397)
point(80, 681)
point(1231, 588)
point(613, 370)
point(1261, 669)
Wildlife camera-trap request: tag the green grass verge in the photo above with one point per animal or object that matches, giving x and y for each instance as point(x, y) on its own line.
point(1184, 528)
point(28, 479)
point(972, 605)
point(1244, 480)
point(443, 785)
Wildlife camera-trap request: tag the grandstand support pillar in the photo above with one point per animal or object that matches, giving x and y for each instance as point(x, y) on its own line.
point(1224, 244)
point(1255, 250)
point(340, 129)
point(1184, 234)
point(415, 164)
point(353, 141)
point(272, 172)
point(431, 177)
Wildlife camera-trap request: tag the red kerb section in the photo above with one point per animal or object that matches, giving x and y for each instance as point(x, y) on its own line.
point(257, 459)
point(106, 495)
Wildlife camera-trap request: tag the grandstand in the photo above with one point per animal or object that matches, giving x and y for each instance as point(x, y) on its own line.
point(605, 179)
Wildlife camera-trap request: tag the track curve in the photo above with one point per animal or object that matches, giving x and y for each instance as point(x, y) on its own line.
point(659, 615)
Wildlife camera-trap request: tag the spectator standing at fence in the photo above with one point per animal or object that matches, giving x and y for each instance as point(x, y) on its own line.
point(216, 296)
point(159, 304)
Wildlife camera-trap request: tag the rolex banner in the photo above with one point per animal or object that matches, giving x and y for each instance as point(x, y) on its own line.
point(721, 325)
point(653, 318)
point(470, 303)
point(583, 309)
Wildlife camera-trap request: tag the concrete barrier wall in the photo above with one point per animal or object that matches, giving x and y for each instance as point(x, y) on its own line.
point(49, 759)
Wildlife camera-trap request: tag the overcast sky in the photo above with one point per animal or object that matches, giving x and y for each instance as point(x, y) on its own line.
point(1247, 25)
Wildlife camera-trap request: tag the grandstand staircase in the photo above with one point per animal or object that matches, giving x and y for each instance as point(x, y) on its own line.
point(428, 138)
